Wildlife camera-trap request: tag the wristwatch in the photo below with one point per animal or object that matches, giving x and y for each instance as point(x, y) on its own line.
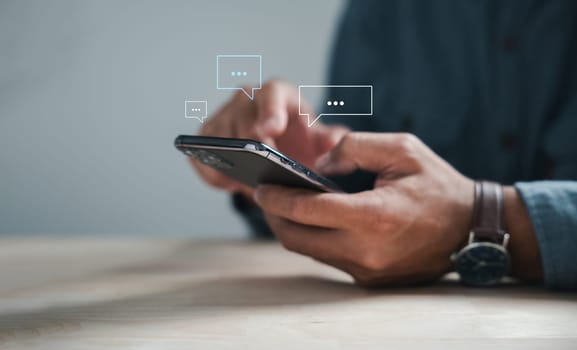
point(484, 261)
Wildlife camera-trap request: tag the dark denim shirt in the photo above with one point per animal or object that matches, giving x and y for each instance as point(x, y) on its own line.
point(490, 86)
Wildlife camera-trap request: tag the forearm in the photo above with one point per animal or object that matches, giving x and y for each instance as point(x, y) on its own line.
point(523, 245)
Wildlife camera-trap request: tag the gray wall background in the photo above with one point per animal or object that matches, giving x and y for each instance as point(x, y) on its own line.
point(92, 95)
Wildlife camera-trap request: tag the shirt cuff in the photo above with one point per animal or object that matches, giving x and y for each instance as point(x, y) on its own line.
point(552, 206)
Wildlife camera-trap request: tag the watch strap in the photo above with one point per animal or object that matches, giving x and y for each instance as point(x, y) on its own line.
point(488, 212)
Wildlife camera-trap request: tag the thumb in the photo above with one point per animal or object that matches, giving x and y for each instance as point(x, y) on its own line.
point(376, 152)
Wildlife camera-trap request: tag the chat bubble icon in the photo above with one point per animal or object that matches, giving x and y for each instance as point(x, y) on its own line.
point(339, 100)
point(196, 110)
point(235, 71)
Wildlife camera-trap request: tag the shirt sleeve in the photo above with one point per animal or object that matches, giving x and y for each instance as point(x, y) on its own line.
point(552, 206)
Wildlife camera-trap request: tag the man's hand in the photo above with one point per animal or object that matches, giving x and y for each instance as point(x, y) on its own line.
point(404, 230)
point(401, 232)
point(272, 117)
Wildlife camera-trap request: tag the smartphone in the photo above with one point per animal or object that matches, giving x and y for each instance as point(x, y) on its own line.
point(252, 162)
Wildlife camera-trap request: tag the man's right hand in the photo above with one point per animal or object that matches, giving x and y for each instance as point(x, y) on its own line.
point(273, 118)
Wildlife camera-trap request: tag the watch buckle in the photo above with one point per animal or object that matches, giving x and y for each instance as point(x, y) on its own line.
point(506, 237)
point(471, 237)
point(504, 234)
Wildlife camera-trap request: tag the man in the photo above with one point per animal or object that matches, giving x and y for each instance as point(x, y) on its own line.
point(490, 91)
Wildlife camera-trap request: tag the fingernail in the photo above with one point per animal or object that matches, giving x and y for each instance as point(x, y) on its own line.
point(256, 194)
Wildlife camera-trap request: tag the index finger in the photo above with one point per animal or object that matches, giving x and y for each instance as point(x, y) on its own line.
point(319, 243)
point(331, 210)
point(273, 103)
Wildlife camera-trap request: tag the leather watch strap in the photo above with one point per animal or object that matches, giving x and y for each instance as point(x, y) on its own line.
point(488, 212)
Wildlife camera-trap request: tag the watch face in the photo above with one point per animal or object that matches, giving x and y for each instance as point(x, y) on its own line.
point(482, 263)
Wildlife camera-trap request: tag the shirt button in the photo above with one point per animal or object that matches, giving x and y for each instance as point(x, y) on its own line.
point(508, 140)
point(510, 43)
point(407, 123)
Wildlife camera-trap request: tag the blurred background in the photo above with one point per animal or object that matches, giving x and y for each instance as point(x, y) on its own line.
point(92, 96)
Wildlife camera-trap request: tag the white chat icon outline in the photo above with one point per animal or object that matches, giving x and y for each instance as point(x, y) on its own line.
point(310, 123)
point(202, 117)
point(251, 95)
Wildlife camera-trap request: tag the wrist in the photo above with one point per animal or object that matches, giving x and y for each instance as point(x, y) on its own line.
point(523, 245)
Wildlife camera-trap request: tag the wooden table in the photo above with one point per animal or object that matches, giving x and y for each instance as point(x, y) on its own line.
point(156, 294)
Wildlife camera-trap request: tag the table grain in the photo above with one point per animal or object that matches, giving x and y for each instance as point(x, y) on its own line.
point(62, 293)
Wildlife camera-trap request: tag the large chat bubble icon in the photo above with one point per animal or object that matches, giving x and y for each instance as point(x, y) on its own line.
point(345, 100)
point(196, 110)
point(235, 71)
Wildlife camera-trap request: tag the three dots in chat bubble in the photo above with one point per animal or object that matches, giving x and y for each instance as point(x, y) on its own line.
point(196, 110)
point(236, 72)
point(337, 95)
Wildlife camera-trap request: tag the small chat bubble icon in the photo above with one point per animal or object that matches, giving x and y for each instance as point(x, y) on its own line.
point(196, 110)
point(345, 100)
point(235, 71)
